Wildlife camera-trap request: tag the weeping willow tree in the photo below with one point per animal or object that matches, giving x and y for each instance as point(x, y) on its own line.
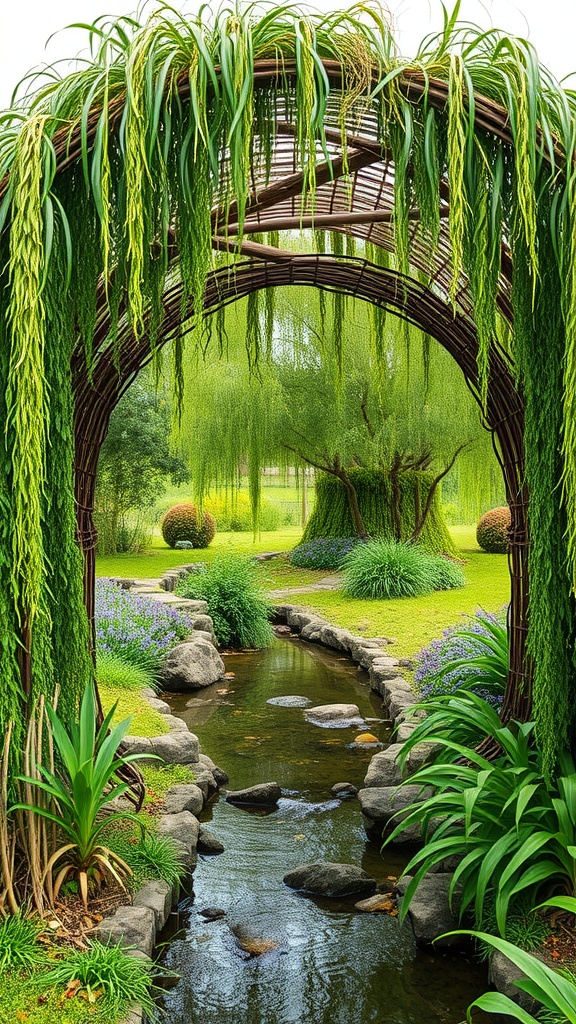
point(117, 181)
point(388, 402)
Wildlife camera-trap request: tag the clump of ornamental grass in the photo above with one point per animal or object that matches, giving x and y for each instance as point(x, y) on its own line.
point(106, 971)
point(239, 608)
point(115, 672)
point(19, 948)
point(382, 569)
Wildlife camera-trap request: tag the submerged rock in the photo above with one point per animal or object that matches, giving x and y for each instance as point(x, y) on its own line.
point(326, 878)
point(366, 738)
point(212, 913)
point(266, 794)
point(291, 701)
point(382, 903)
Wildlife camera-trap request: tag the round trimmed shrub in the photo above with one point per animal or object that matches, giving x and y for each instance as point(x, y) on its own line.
point(183, 522)
point(492, 531)
point(386, 568)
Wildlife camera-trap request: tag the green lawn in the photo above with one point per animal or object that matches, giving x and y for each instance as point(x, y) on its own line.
point(413, 622)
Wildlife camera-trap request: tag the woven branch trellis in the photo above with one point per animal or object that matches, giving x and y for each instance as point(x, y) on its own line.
point(186, 138)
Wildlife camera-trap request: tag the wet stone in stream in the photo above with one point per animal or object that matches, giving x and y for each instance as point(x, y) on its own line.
point(290, 702)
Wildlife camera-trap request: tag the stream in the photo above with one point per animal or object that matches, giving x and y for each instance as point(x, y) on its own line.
point(331, 964)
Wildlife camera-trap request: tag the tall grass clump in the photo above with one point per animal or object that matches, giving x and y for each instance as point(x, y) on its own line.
point(239, 609)
point(115, 672)
point(382, 569)
point(110, 971)
point(19, 947)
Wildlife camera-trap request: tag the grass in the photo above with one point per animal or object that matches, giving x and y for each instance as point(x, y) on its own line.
point(23, 1000)
point(413, 622)
point(145, 721)
point(159, 557)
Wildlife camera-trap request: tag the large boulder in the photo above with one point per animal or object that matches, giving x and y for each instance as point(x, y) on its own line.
point(192, 665)
point(335, 716)
point(267, 794)
point(329, 879)
point(381, 804)
point(186, 797)
point(132, 927)
point(432, 914)
point(384, 768)
point(178, 747)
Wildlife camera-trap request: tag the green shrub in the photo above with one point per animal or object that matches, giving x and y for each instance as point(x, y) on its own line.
point(386, 568)
point(184, 522)
point(121, 978)
point(114, 672)
point(513, 829)
point(492, 531)
point(151, 856)
point(19, 948)
point(236, 602)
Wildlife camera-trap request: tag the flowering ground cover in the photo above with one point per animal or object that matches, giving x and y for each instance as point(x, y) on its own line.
point(137, 629)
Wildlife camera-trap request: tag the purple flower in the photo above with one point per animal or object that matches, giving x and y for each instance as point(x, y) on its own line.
point(138, 629)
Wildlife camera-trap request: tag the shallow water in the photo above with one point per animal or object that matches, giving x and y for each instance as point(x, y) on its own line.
point(331, 963)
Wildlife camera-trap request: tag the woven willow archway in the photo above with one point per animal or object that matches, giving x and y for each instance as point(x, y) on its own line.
point(402, 296)
point(185, 138)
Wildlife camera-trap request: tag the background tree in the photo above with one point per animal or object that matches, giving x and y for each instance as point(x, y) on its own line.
point(381, 398)
point(135, 463)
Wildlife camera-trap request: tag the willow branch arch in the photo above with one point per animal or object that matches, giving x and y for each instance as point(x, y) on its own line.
point(354, 188)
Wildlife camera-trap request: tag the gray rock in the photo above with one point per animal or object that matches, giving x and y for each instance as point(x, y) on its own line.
point(205, 780)
point(384, 769)
point(219, 774)
point(503, 974)
point(328, 879)
point(209, 843)
point(399, 703)
point(343, 790)
point(431, 914)
point(360, 646)
point(130, 926)
point(159, 705)
point(339, 715)
point(381, 804)
point(175, 724)
point(184, 829)
point(192, 665)
point(205, 624)
point(338, 639)
point(312, 631)
point(212, 913)
point(137, 745)
point(395, 685)
point(404, 731)
point(186, 797)
point(266, 794)
point(297, 618)
point(420, 755)
point(178, 747)
point(157, 895)
point(290, 701)
point(184, 545)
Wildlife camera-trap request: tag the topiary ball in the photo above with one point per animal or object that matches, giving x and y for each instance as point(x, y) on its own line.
point(183, 523)
point(492, 531)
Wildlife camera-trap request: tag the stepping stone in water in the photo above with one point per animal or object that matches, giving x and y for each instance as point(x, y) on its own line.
point(292, 701)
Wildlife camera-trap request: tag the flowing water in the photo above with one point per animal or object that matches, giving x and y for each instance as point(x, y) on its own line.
point(331, 964)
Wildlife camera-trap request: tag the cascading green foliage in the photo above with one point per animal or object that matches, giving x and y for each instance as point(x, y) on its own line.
point(331, 515)
point(162, 124)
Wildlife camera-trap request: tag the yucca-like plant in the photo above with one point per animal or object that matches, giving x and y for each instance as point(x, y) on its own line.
point(80, 789)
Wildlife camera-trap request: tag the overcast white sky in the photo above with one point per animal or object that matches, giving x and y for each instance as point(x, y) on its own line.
point(25, 26)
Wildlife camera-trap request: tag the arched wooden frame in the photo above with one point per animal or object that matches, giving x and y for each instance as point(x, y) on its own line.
point(402, 296)
point(361, 206)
